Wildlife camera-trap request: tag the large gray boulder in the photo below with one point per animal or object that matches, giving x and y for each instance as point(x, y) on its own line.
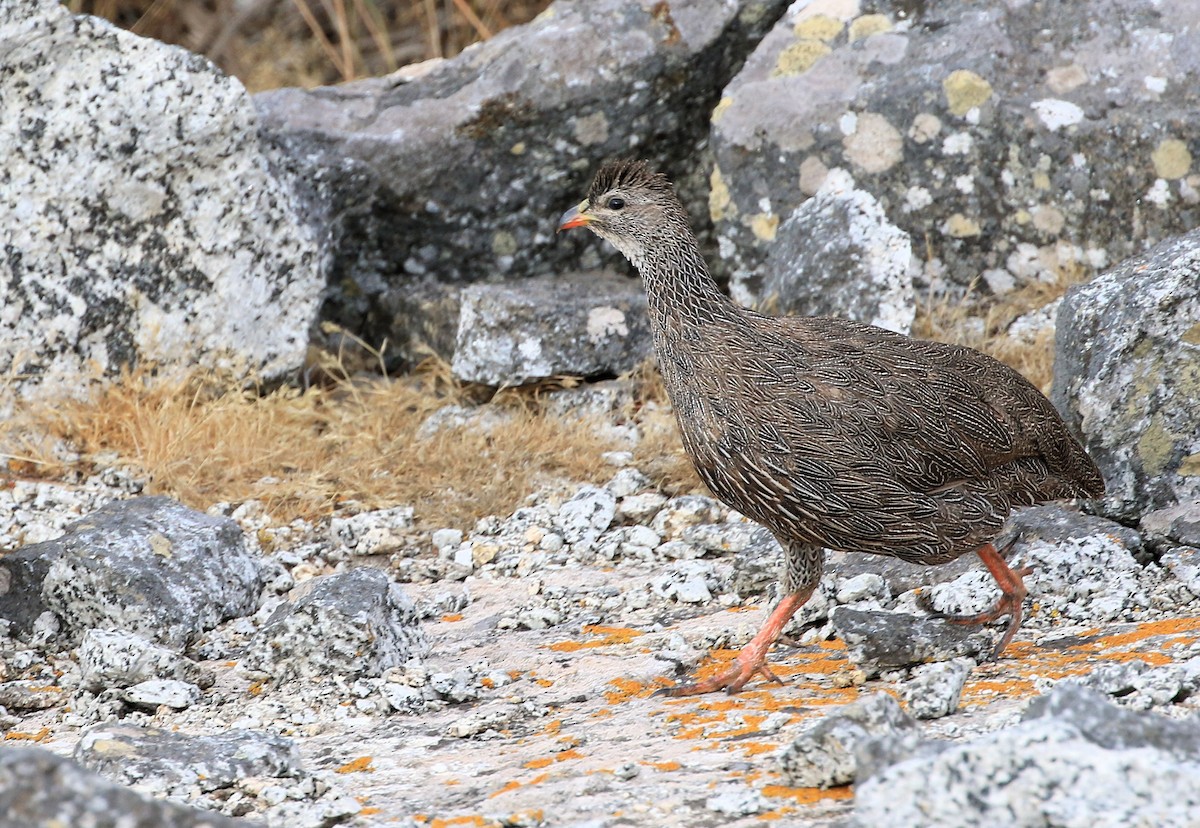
point(141, 222)
point(459, 174)
point(1127, 375)
point(150, 566)
point(1010, 140)
point(1076, 760)
point(38, 788)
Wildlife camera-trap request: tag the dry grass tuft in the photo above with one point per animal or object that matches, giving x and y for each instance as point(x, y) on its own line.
point(305, 453)
point(272, 43)
point(985, 325)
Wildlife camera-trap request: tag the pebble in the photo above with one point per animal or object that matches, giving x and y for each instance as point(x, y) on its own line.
point(934, 690)
point(154, 693)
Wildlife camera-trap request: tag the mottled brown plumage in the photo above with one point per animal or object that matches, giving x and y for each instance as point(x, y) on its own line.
point(832, 433)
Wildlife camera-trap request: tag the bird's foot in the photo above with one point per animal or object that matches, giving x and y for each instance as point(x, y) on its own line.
point(1011, 603)
point(750, 661)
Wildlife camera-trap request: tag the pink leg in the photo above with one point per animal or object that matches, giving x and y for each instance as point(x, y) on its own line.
point(753, 657)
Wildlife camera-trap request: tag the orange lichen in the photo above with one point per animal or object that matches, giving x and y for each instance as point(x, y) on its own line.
point(255, 689)
point(451, 617)
point(543, 682)
point(513, 784)
point(664, 766)
point(553, 727)
point(808, 796)
point(609, 636)
point(470, 819)
point(626, 688)
point(360, 765)
point(757, 748)
point(538, 764)
point(41, 736)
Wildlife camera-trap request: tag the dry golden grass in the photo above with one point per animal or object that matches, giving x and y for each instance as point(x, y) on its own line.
point(269, 44)
point(305, 453)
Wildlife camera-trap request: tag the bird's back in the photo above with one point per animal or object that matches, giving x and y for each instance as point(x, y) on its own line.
point(853, 437)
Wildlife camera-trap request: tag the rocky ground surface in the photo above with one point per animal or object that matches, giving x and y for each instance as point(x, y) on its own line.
point(362, 672)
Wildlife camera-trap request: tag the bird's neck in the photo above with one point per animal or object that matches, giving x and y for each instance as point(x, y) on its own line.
point(680, 289)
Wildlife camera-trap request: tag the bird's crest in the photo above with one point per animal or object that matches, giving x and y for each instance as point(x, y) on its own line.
point(626, 173)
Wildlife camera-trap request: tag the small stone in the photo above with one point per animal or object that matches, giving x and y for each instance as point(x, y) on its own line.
point(30, 695)
point(827, 753)
point(446, 541)
point(934, 690)
point(862, 587)
point(114, 658)
point(152, 694)
point(878, 640)
point(586, 515)
point(678, 513)
point(737, 801)
point(637, 508)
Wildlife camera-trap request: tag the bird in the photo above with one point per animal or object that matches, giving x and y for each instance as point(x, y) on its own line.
point(831, 433)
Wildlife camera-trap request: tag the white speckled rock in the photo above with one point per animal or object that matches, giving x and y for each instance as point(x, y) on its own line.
point(113, 658)
point(355, 623)
point(934, 690)
point(1079, 762)
point(141, 222)
point(153, 567)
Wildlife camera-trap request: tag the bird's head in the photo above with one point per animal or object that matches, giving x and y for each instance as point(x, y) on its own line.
point(629, 205)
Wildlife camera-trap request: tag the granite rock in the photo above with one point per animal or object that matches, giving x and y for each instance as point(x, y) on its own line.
point(1132, 391)
point(153, 567)
point(143, 224)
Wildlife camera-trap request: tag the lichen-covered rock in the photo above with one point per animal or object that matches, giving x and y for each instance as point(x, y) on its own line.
point(142, 223)
point(826, 754)
point(988, 132)
point(38, 788)
point(582, 325)
point(114, 658)
point(1132, 391)
point(1076, 760)
point(355, 623)
point(153, 567)
point(457, 175)
point(837, 255)
point(166, 762)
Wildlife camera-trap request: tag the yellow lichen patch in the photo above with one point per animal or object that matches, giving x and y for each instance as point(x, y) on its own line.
point(720, 108)
point(720, 203)
point(552, 727)
point(451, 617)
point(360, 765)
point(764, 226)
point(964, 91)
point(869, 24)
point(799, 57)
point(807, 796)
point(609, 636)
point(539, 763)
point(962, 227)
point(1171, 159)
point(758, 748)
point(819, 27)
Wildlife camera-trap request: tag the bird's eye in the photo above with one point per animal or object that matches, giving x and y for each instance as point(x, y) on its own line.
point(616, 203)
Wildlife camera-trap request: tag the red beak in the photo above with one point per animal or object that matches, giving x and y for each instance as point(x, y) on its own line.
point(573, 218)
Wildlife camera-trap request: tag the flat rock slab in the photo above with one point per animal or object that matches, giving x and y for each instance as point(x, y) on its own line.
point(142, 223)
point(153, 567)
point(348, 624)
point(164, 761)
point(579, 325)
point(38, 788)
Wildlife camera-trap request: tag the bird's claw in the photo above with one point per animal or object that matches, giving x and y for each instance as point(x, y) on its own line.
point(745, 667)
